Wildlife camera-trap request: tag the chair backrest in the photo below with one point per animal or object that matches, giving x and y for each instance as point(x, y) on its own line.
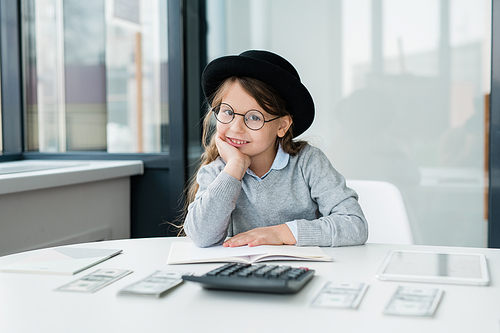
point(384, 210)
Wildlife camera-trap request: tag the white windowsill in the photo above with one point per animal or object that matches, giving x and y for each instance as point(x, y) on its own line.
point(54, 173)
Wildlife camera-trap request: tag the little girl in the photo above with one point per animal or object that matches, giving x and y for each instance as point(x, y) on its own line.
point(256, 184)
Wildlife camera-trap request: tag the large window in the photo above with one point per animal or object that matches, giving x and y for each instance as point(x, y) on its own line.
point(400, 90)
point(96, 75)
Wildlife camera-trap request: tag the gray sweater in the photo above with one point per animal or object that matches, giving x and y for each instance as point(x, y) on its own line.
point(308, 190)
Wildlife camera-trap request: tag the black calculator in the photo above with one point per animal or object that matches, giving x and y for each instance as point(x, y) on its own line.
point(257, 277)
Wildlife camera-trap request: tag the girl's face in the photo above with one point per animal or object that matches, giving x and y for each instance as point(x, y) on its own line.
point(259, 145)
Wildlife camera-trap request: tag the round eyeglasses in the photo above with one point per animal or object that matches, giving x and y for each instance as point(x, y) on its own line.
point(254, 119)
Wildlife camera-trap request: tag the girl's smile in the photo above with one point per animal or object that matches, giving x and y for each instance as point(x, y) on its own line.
point(236, 142)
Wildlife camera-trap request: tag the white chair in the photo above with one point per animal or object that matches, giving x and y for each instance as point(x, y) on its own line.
point(384, 210)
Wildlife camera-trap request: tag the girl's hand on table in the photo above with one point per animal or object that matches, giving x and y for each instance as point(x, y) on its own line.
point(275, 235)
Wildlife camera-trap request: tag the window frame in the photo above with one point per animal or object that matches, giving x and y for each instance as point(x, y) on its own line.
point(10, 82)
point(494, 133)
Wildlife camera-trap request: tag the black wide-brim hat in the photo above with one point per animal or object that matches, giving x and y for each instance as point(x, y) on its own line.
point(269, 68)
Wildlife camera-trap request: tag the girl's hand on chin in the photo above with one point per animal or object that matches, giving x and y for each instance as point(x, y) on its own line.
point(236, 162)
point(228, 152)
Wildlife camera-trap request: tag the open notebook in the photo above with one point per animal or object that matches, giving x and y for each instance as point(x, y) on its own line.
point(188, 253)
point(61, 260)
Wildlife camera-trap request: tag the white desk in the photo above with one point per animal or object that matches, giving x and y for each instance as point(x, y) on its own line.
point(29, 304)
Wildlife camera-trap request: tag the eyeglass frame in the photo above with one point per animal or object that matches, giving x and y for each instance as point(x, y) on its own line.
point(243, 115)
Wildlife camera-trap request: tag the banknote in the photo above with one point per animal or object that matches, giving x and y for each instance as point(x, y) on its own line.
point(414, 301)
point(154, 285)
point(95, 280)
point(340, 295)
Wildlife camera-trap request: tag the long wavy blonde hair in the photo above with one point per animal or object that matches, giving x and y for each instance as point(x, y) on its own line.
point(268, 98)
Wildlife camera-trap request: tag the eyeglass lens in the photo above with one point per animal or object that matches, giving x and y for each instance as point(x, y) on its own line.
point(225, 114)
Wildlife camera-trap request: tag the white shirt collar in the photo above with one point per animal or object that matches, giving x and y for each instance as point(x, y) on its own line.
point(280, 161)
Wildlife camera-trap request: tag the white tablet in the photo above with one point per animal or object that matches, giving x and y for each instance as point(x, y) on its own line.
point(420, 266)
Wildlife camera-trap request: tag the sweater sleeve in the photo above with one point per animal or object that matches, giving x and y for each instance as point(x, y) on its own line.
point(209, 215)
point(341, 221)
